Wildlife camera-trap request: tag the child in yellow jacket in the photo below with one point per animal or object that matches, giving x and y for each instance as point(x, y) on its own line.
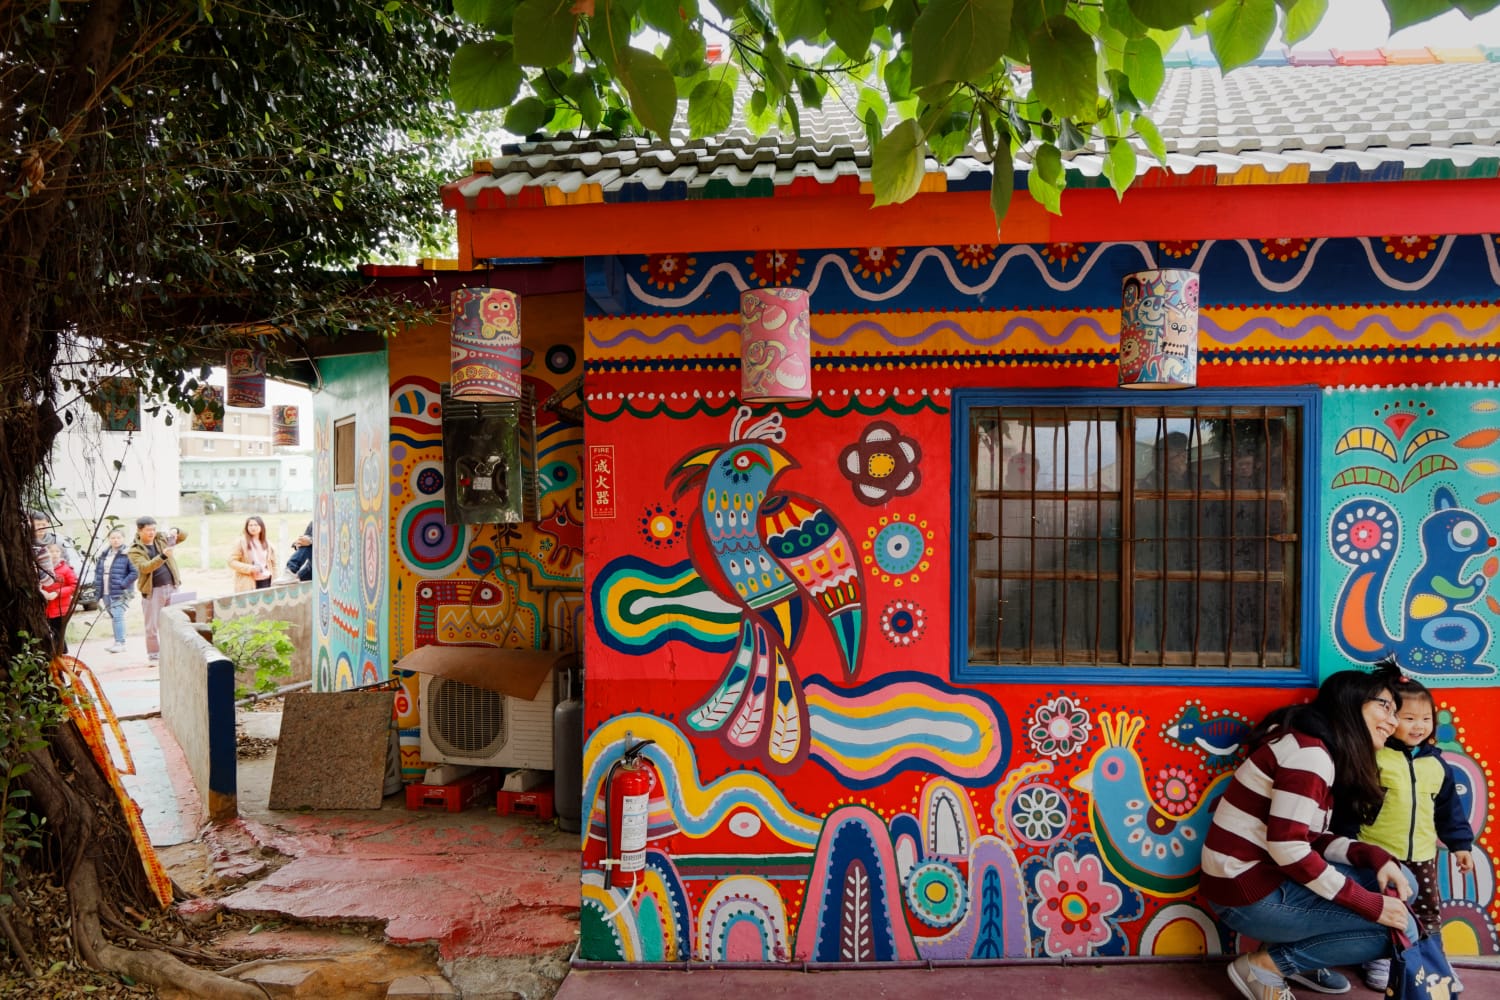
point(1421, 809)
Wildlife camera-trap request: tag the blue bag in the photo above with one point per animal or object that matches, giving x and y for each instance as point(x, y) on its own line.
point(1420, 970)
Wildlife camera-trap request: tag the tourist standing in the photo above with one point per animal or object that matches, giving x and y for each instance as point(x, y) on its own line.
point(251, 557)
point(114, 574)
point(151, 554)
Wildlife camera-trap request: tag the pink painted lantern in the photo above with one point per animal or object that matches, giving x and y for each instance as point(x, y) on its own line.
point(1159, 330)
point(776, 346)
point(485, 343)
point(246, 370)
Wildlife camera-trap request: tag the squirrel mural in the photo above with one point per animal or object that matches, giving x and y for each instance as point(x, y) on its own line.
point(1439, 637)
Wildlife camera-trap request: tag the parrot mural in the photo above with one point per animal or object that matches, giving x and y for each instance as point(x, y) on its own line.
point(784, 556)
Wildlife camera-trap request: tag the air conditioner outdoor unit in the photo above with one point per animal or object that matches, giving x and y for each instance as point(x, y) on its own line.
point(465, 724)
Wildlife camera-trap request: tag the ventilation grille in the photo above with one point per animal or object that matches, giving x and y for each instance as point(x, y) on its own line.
point(464, 721)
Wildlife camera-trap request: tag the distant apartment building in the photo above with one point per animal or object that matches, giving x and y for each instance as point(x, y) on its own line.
point(96, 474)
point(241, 467)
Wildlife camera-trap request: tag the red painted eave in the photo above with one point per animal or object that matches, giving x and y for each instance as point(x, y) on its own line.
point(1382, 208)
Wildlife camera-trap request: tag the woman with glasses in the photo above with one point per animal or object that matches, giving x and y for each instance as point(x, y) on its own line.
point(1271, 867)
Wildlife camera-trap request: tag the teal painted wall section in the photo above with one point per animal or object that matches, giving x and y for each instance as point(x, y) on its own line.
point(351, 527)
point(1411, 508)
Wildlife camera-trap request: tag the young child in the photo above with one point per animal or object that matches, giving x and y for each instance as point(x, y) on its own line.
point(58, 584)
point(1421, 808)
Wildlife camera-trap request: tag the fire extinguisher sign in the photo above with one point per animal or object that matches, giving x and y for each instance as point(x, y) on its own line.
point(601, 480)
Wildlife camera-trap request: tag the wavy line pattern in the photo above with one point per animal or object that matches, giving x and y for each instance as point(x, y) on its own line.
point(833, 267)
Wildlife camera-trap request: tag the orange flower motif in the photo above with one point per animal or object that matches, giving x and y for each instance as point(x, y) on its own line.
point(1409, 249)
point(974, 254)
point(1175, 790)
point(668, 270)
point(1285, 248)
point(1063, 253)
point(1179, 248)
point(773, 267)
point(876, 262)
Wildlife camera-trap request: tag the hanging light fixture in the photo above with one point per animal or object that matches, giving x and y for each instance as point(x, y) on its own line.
point(246, 388)
point(776, 345)
point(1159, 330)
point(485, 344)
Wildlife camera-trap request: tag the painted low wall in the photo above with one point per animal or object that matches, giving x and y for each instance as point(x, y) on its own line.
point(197, 705)
point(291, 603)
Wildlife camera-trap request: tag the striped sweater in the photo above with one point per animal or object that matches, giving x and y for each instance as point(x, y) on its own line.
point(1272, 824)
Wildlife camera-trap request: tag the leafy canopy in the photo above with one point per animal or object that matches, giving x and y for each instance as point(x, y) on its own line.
point(925, 77)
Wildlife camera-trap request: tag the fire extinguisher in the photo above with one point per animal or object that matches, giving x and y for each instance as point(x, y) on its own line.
point(627, 796)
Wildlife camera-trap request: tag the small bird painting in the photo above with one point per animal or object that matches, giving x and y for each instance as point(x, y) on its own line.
point(1142, 843)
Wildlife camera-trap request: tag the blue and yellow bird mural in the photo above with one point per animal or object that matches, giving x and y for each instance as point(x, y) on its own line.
point(1145, 845)
point(782, 555)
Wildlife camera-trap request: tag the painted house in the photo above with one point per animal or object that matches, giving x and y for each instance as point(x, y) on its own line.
point(952, 661)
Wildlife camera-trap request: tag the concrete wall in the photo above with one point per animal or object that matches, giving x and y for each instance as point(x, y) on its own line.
point(197, 705)
point(291, 603)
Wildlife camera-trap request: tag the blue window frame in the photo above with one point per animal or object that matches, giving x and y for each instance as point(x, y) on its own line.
point(1135, 538)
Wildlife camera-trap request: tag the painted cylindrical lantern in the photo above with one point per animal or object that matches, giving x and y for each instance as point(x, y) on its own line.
point(208, 408)
point(1159, 330)
point(118, 403)
point(775, 345)
point(246, 372)
point(284, 432)
point(485, 343)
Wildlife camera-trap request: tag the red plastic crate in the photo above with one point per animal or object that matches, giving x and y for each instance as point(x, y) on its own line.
point(536, 803)
point(469, 790)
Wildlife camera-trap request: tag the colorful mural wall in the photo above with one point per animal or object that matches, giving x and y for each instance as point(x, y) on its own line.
point(510, 585)
point(349, 527)
point(769, 593)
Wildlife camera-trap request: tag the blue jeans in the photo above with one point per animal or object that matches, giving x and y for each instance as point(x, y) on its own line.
point(1303, 931)
point(116, 605)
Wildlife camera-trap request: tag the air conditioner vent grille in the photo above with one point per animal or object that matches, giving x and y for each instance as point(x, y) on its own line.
point(464, 720)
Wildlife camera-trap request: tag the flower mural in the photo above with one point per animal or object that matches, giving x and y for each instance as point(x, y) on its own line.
point(1179, 248)
point(882, 464)
point(774, 267)
point(1059, 728)
point(1409, 249)
point(1063, 253)
point(876, 262)
point(902, 622)
point(668, 270)
point(1175, 790)
point(1364, 533)
point(1284, 248)
point(974, 254)
point(1076, 906)
point(1039, 815)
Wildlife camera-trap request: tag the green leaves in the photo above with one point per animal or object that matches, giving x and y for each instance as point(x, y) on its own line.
point(711, 104)
point(1168, 13)
point(1238, 31)
point(1144, 66)
point(1302, 17)
point(483, 75)
point(1063, 70)
point(799, 20)
point(959, 40)
point(653, 95)
point(545, 32)
point(900, 161)
point(850, 26)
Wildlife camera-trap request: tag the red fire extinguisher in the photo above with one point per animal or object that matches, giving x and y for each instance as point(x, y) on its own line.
point(627, 797)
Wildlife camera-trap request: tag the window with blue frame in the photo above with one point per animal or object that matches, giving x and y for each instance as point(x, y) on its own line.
point(1143, 538)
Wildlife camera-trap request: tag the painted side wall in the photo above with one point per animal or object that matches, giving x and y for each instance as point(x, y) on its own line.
point(508, 585)
point(898, 814)
point(349, 529)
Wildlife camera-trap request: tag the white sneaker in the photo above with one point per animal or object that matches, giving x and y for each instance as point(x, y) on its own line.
point(116, 648)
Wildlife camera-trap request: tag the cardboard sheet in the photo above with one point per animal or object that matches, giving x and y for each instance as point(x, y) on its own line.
point(519, 673)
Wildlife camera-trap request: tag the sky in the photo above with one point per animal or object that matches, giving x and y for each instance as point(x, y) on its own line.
point(1364, 24)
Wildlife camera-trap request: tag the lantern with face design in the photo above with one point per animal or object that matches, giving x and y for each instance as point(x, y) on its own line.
point(1159, 330)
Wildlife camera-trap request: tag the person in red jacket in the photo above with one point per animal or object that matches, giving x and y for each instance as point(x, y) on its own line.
point(1273, 869)
point(59, 583)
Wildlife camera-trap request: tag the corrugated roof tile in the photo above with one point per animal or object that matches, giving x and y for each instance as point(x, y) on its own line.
point(1305, 122)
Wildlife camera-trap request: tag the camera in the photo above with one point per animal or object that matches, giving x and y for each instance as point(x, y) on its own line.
point(171, 534)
